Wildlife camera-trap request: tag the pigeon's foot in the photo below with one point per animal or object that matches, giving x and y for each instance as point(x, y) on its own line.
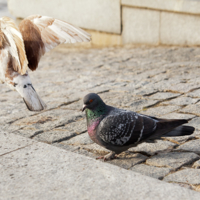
point(107, 157)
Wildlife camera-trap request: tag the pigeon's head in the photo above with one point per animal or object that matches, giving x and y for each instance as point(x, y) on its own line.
point(91, 101)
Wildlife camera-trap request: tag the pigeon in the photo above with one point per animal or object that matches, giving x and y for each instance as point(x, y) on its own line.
point(22, 47)
point(118, 130)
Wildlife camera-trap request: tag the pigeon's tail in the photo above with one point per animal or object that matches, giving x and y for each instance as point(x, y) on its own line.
point(180, 131)
point(24, 86)
point(171, 128)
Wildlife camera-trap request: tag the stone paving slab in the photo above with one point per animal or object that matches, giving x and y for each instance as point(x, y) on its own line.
point(41, 171)
point(9, 142)
point(153, 148)
point(192, 109)
point(164, 95)
point(127, 160)
point(195, 122)
point(160, 110)
point(172, 160)
point(175, 115)
point(63, 132)
point(155, 172)
point(191, 176)
point(196, 165)
point(182, 101)
point(193, 146)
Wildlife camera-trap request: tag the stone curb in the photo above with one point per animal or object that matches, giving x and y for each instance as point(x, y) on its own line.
point(34, 170)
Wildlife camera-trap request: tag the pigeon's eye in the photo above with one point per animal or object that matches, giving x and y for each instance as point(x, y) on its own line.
point(91, 100)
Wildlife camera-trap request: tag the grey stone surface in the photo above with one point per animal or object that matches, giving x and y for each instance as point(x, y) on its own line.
point(193, 146)
point(196, 165)
point(182, 101)
point(153, 148)
point(195, 93)
point(160, 110)
point(164, 95)
point(191, 176)
point(139, 29)
point(140, 104)
point(9, 142)
point(172, 160)
point(195, 122)
point(128, 160)
point(186, 6)
point(175, 115)
point(192, 109)
point(86, 13)
point(41, 171)
point(181, 139)
point(82, 139)
point(63, 132)
point(188, 186)
point(95, 148)
point(155, 172)
point(179, 29)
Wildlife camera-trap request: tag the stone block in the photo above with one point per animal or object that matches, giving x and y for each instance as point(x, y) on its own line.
point(172, 160)
point(196, 165)
point(193, 146)
point(179, 29)
point(175, 115)
point(187, 6)
point(195, 122)
point(182, 101)
point(140, 26)
point(155, 172)
point(41, 171)
point(164, 95)
point(100, 15)
point(159, 111)
point(195, 93)
point(192, 109)
point(82, 139)
point(128, 160)
point(191, 176)
point(10, 142)
point(153, 148)
point(62, 133)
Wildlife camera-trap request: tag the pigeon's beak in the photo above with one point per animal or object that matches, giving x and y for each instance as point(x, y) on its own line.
point(84, 107)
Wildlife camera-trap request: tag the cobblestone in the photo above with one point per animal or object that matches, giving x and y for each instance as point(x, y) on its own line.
point(164, 95)
point(155, 172)
point(191, 176)
point(153, 148)
point(193, 146)
point(172, 160)
point(196, 165)
point(162, 81)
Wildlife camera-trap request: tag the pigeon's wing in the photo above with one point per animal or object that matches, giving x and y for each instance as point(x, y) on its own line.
point(42, 33)
point(125, 128)
point(11, 42)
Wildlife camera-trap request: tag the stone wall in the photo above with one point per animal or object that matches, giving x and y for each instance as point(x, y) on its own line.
point(117, 22)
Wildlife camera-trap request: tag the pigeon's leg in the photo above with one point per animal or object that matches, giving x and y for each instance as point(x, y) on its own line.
point(109, 156)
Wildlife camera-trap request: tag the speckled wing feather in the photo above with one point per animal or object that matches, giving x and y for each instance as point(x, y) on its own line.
point(12, 42)
point(42, 33)
point(125, 128)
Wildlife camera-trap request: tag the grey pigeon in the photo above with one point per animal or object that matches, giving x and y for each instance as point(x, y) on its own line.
point(118, 130)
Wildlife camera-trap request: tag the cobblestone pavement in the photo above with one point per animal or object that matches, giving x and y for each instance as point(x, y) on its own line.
point(163, 82)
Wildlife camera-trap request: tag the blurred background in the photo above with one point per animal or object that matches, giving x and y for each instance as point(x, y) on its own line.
point(119, 22)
